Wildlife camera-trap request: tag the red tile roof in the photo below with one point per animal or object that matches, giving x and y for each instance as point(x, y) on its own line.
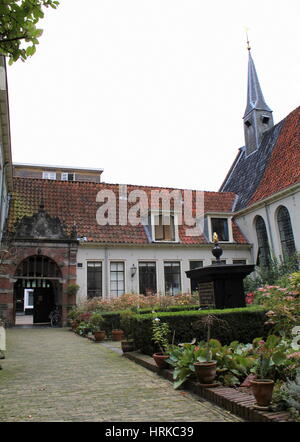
point(283, 168)
point(75, 202)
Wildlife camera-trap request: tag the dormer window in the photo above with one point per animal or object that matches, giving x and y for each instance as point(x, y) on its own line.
point(220, 226)
point(248, 123)
point(49, 175)
point(65, 176)
point(164, 227)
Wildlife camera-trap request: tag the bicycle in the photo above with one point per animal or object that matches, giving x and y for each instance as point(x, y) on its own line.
point(55, 317)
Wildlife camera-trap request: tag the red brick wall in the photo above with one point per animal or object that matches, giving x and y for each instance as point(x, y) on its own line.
point(64, 254)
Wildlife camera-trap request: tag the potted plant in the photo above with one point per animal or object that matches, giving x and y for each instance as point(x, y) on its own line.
point(96, 323)
point(262, 386)
point(126, 323)
point(160, 335)
point(72, 289)
point(206, 367)
point(117, 334)
point(73, 318)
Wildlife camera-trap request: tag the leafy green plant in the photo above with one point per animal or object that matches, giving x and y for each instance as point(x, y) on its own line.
point(160, 334)
point(126, 323)
point(291, 395)
point(271, 356)
point(182, 358)
point(276, 273)
point(83, 328)
point(282, 305)
point(72, 289)
point(207, 322)
point(96, 322)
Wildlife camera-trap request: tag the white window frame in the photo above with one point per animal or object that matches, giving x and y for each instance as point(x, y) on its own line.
point(156, 271)
point(229, 224)
point(26, 299)
point(115, 261)
point(196, 260)
point(155, 213)
point(178, 261)
point(86, 274)
point(65, 176)
point(48, 175)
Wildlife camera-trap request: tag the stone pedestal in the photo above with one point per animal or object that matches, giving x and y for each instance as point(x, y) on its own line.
point(221, 284)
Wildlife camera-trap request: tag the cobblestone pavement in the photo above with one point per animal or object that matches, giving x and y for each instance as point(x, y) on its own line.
point(53, 375)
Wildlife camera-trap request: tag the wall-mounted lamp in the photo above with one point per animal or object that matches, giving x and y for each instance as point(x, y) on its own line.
point(133, 270)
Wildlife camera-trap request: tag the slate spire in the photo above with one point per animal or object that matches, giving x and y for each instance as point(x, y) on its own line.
point(258, 117)
point(255, 98)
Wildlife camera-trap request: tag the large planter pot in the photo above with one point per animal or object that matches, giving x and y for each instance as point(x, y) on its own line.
point(127, 346)
point(160, 360)
point(99, 335)
point(117, 335)
point(262, 390)
point(206, 372)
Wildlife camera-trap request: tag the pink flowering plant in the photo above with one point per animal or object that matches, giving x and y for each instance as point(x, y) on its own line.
point(282, 304)
point(133, 301)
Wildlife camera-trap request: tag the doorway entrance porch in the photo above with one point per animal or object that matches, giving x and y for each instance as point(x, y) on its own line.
point(37, 290)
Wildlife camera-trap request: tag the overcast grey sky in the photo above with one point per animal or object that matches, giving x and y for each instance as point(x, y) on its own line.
point(151, 91)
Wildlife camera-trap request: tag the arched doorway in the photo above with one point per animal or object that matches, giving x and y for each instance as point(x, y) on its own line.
point(37, 289)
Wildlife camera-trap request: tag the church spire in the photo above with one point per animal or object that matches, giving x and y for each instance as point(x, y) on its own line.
point(255, 98)
point(258, 116)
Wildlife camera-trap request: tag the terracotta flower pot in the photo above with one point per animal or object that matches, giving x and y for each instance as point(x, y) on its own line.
point(262, 390)
point(99, 335)
point(117, 335)
point(127, 346)
point(160, 360)
point(206, 371)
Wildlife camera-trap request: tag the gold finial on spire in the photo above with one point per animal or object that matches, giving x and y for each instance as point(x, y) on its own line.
point(248, 43)
point(215, 238)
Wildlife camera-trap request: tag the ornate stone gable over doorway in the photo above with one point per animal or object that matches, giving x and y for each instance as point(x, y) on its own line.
point(41, 226)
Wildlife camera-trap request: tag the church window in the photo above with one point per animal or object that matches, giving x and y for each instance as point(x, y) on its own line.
point(285, 232)
point(263, 256)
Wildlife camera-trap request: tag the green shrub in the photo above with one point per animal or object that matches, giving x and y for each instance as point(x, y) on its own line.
point(243, 324)
point(96, 322)
point(276, 273)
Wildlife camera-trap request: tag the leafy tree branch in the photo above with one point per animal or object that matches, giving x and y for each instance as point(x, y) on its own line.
point(19, 34)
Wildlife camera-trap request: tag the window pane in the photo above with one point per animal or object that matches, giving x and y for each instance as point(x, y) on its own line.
point(239, 261)
point(222, 261)
point(113, 276)
point(220, 226)
point(164, 227)
point(147, 278)
point(117, 284)
point(196, 264)
point(286, 233)
point(94, 279)
point(172, 278)
point(263, 257)
point(114, 285)
point(30, 299)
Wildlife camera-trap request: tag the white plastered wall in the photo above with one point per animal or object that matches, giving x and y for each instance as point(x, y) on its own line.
point(132, 255)
point(268, 212)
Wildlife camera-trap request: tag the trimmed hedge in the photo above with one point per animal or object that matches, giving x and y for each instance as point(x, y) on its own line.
point(242, 324)
point(112, 318)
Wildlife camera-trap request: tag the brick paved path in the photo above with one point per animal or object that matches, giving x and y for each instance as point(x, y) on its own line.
point(54, 375)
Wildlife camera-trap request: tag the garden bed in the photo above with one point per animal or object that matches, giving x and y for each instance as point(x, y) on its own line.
point(234, 400)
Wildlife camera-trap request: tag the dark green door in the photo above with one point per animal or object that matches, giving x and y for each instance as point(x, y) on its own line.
point(43, 302)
